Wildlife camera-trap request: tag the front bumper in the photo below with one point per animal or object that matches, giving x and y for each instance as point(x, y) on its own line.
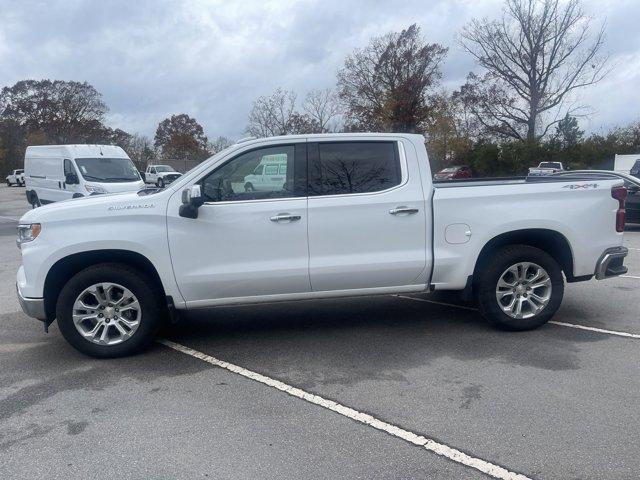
point(611, 262)
point(34, 307)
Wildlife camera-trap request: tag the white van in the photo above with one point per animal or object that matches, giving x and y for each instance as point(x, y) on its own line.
point(59, 172)
point(269, 175)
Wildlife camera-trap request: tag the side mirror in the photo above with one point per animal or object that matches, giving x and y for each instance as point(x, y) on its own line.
point(191, 200)
point(71, 179)
point(143, 176)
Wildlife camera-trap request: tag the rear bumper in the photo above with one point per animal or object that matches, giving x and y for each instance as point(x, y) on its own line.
point(33, 307)
point(611, 262)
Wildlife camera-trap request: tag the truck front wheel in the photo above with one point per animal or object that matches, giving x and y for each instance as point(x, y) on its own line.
point(520, 288)
point(109, 310)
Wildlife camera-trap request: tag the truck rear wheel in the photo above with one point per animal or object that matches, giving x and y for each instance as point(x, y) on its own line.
point(521, 288)
point(109, 310)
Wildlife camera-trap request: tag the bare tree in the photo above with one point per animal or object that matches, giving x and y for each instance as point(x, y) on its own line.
point(385, 86)
point(323, 108)
point(219, 144)
point(140, 150)
point(536, 56)
point(272, 115)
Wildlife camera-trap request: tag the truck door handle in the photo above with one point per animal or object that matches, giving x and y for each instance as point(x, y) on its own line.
point(285, 217)
point(400, 210)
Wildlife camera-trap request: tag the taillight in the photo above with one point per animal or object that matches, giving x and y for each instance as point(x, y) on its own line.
point(620, 194)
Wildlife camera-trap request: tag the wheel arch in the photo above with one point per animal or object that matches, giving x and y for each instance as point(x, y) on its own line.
point(68, 266)
point(550, 241)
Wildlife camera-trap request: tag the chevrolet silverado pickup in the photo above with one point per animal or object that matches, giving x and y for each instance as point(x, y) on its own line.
point(340, 215)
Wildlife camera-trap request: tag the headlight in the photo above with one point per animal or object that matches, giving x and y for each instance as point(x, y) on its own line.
point(28, 233)
point(94, 189)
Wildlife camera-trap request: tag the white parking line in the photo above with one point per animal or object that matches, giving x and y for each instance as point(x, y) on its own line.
point(630, 276)
point(554, 322)
point(9, 218)
point(441, 449)
point(599, 330)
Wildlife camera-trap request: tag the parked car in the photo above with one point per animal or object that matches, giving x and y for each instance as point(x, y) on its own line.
point(452, 173)
point(160, 175)
point(61, 172)
point(546, 168)
point(632, 184)
point(15, 178)
point(358, 214)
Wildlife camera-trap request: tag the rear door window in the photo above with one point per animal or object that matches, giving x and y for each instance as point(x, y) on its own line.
point(339, 168)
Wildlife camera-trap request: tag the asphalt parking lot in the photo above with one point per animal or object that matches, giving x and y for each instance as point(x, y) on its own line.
point(558, 402)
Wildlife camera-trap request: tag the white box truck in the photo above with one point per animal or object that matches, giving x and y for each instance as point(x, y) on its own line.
point(624, 163)
point(59, 172)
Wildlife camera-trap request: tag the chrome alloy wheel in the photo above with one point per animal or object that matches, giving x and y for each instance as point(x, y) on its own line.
point(107, 313)
point(523, 290)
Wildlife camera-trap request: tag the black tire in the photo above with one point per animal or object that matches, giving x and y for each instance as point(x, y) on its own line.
point(248, 187)
point(32, 199)
point(8, 183)
point(500, 261)
point(152, 308)
point(160, 183)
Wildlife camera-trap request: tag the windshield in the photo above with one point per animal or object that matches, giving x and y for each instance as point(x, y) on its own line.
point(164, 168)
point(549, 165)
point(18, 172)
point(108, 169)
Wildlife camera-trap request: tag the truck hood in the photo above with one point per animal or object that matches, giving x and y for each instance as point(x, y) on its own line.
point(94, 206)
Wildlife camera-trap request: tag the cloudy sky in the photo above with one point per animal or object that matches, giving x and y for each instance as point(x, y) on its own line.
point(210, 59)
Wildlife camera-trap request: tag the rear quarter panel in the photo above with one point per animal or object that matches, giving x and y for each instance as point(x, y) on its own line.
point(585, 216)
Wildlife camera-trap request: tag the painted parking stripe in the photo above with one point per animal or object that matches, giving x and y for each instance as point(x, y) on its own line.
point(554, 322)
point(630, 276)
point(599, 330)
point(9, 218)
point(431, 445)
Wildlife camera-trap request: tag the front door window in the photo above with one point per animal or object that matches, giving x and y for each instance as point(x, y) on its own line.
point(263, 173)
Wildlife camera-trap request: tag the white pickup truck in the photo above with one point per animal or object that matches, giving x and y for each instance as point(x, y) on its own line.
point(546, 168)
point(160, 175)
point(355, 214)
point(16, 177)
